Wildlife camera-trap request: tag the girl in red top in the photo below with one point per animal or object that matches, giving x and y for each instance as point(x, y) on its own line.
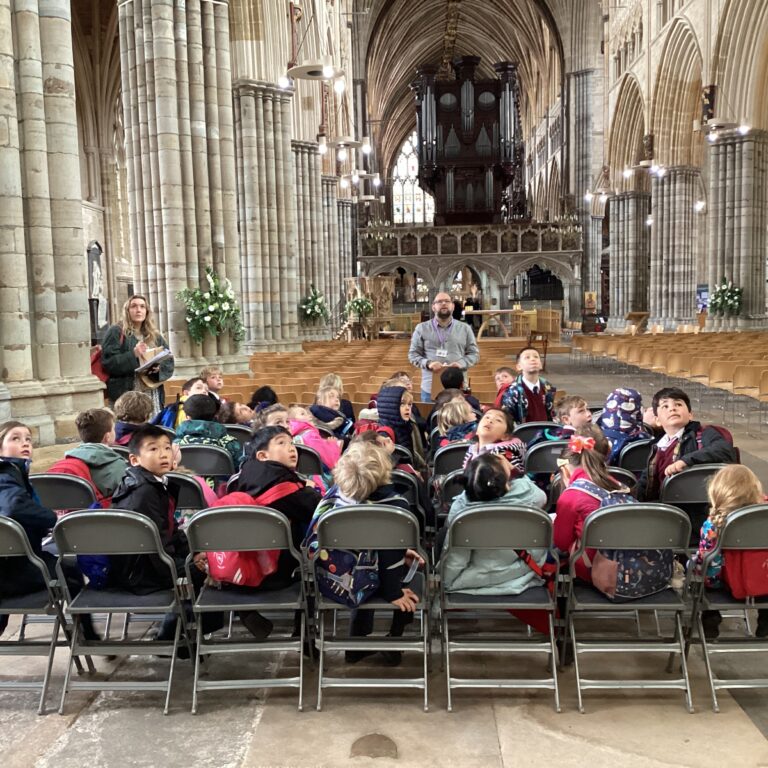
point(584, 458)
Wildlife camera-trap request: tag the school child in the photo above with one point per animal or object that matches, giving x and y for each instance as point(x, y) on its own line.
point(504, 378)
point(494, 435)
point(231, 412)
point(301, 425)
point(275, 415)
point(685, 442)
point(456, 421)
point(262, 398)
point(488, 480)
point(201, 429)
point(730, 489)
point(530, 397)
point(395, 407)
point(132, 410)
point(622, 420)
point(173, 413)
point(334, 381)
point(213, 377)
point(326, 410)
point(453, 378)
point(93, 460)
point(572, 414)
point(363, 475)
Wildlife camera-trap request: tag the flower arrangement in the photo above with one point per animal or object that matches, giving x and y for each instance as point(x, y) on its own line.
point(213, 311)
point(726, 299)
point(313, 306)
point(360, 306)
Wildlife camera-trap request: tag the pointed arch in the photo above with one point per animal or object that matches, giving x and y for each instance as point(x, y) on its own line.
point(625, 145)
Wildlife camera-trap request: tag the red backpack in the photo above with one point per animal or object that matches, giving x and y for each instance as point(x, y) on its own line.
point(745, 571)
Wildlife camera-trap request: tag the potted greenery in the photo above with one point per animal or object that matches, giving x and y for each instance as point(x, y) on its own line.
point(359, 308)
point(726, 299)
point(313, 307)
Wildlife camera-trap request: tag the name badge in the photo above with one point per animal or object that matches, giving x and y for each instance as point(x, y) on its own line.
point(441, 353)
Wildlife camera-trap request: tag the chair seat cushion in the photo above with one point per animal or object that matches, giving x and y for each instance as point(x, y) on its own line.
point(31, 603)
point(535, 596)
point(211, 597)
point(589, 598)
point(120, 601)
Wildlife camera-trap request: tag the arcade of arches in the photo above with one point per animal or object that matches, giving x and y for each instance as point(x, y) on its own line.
point(615, 148)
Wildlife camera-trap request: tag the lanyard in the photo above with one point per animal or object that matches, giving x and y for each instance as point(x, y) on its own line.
point(439, 331)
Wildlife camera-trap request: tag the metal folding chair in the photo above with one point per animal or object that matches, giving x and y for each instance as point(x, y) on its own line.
point(448, 458)
point(246, 529)
point(634, 456)
point(623, 476)
point(542, 458)
point(122, 450)
point(498, 527)
point(374, 527)
point(406, 485)
point(629, 526)
point(309, 461)
point(744, 530)
point(242, 433)
point(526, 432)
point(207, 460)
point(65, 492)
point(118, 532)
point(404, 454)
point(45, 602)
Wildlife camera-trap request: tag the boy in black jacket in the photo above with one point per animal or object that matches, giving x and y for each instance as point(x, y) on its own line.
point(684, 443)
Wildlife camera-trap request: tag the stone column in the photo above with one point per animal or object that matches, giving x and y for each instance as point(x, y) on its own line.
point(331, 247)
point(593, 248)
point(177, 105)
point(673, 269)
point(346, 234)
point(269, 215)
point(737, 221)
point(629, 255)
point(44, 327)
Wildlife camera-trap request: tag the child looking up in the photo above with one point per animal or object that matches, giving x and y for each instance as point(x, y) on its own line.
point(622, 420)
point(231, 412)
point(173, 413)
point(504, 378)
point(272, 416)
point(334, 381)
point(572, 414)
point(213, 377)
point(132, 410)
point(301, 425)
point(326, 411)
point(395, 406)
point(531, 397)
point(494, 435)
point(456, 421)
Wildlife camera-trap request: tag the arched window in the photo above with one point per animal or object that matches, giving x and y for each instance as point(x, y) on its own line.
point(410, 203)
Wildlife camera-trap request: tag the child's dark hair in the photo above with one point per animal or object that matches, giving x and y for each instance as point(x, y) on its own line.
point(670, 393)
point(261, 438)
point(591, 460)
point(485, 478)
point(507, 416)
point(226, 413)
point(262, 398)
point(525, 349)
point(93, 424)
point(189, 383)
point(446, 395)
point(142, 434)
point(452, 378)
point(201, 407)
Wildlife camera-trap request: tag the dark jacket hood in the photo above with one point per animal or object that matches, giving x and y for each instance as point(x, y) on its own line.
point(258, 476)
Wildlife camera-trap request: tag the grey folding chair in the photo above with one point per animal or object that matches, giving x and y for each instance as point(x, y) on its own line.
point(744, 530)
point(60, 491)
point(448, 458)
point(45, 602)
point(542, 457)
point(247, 529)
point(118, 532)
point(526, 432)
point(207, 460)
point(406, 485)
point(634, 456)
point(629, 526)
point(371, 527)
point(487, 528)
point(623, 476)
point(404, 454)
point(309, 461)
point(241, 432)
point(122, 450)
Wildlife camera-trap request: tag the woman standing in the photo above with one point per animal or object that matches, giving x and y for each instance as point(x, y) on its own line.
point(124, 348)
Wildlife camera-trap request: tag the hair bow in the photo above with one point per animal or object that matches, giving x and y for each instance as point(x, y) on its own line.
point(578, 443)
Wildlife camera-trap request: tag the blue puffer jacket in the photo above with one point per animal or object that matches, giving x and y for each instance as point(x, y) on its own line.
point(388, 406)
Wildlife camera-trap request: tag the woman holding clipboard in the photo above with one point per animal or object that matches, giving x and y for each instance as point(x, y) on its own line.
point(126, 349)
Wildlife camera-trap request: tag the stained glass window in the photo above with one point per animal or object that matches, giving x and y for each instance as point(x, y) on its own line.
point(410, 203)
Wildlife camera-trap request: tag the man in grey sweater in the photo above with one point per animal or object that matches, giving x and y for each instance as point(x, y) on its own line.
point(441, 342)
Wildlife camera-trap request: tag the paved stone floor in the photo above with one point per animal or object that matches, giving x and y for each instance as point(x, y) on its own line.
point(508, 728)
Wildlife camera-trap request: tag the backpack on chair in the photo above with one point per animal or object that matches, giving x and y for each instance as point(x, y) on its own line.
point(625, 574)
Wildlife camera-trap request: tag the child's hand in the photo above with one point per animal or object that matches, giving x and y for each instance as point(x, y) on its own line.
point(411, 555)
point(200, 561)
point(175, 455)
point(675, 468)
point(408, 602)
point(311, 483)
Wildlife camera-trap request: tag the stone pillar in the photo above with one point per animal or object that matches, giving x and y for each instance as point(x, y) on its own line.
point(177, 106)
point(737, 221)
point(629, 255)
point(593, 248)
point(268, 216)
point(44, 326)
point(331, 240)
point(673, 251)
point(346, 235)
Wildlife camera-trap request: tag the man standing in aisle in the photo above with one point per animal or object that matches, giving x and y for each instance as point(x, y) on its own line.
point(441, 342)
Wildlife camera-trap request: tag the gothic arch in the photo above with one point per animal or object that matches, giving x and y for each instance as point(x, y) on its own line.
point(553, 193)
point(677, 98)
point(625, 147)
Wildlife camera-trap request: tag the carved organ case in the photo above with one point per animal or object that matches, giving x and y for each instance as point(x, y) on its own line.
point(470, 149)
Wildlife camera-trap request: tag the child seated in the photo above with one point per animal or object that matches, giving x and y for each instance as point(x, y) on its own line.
point(504, 378)
point(453, 378)
point(685, 442)
point(173, 413)
point(730, 489)
point(494, 435)
point(262, 398)
point(19, 502)
point(333, 380)
point(622, 420)
point(213, 377)
point(572, 414)
point(326, 411)
point(231, 412)
point(363, 475)
point(93, 460)
point(395, 406)
point(275, 415)
point(201, 429)
point(456, 421)
point(488, 480)
point(302, 427)
point(530, 397)
point(132, 410)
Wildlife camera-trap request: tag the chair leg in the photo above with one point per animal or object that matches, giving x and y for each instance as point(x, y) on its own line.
point(197, 662)
point(302, 636)
point(446, 642)
point(23, 628)
point(68, 673)
point(321, 662)
point(174, 651)
point(49, 666)
point(126, 620)
point(426, 653)
point(576, 665)
point(554, 660)
point(684, 661)
point(707, 663)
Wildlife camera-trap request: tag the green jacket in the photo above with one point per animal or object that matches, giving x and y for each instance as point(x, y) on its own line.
point(120, 363)
point(107, 466)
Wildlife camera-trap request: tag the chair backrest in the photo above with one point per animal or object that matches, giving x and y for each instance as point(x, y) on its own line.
point(190, 493)
point(368, 526)
point(242, 433)
point(14, 543)
point(451, 486)
point(404, 454)
point(406, 485)
point(634, 456)
point(122, 450)
point(624, 476)
point(450, 457)
point(60, 491)
point(500, 526)
point(526, 432)
point(309, 461)
point(239, 529)
point(637, 526)
point(690, 485)
point(542, 458)
point(207, 460)
point(746, 528)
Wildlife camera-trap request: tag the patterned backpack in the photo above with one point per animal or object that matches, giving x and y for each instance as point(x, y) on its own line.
point(625, 574)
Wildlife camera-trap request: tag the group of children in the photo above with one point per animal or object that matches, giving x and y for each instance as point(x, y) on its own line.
point(358, 457)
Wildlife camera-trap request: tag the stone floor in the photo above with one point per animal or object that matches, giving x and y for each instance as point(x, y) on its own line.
point(370, 728)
